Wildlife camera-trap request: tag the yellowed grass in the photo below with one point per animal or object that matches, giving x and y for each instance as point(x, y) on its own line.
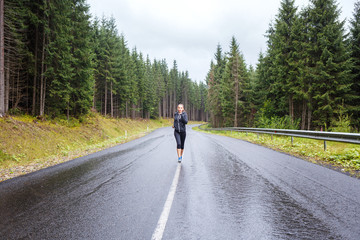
point(26, 140)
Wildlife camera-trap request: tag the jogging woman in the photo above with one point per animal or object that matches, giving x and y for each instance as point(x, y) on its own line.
point(180, 120)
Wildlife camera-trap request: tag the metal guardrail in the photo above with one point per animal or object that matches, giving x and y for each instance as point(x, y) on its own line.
point(319, 135)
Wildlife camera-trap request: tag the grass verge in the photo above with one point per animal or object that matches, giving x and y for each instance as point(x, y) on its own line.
point(343, 157)
point(28, 144)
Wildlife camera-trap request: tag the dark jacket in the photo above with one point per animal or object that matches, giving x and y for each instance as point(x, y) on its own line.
point(179, 121)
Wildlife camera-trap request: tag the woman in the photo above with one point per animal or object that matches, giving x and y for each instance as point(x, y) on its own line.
point(180, 120)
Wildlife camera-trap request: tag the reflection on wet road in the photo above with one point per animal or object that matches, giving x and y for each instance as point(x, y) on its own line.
point(228, 189)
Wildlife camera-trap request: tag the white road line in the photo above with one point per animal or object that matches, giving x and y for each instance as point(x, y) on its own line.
point(159, 231)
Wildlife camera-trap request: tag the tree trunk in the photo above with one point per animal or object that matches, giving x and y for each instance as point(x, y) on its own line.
point(170, 104)
point(43, 96)
point(291, 108)
point(133, 106)
point(111, 100)
point(42, 85)
point(7, 85)
point(309, 119)
point(18, 93)
point(159, 108)
point(68, 111)
point(126, 109)
point(2, 58)
point(303, 115)
point(164, 106)
point(175, 105)
point(105, 97)
point(35, 71)
point(236, 94)
point(94, 96)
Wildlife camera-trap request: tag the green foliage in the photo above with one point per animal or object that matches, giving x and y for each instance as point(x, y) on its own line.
point(275, 122)
point(353, 99)
point(342, 123)
point(228, 82)
point(214, 80)
point(5, 157)
point(16, 111)
point(350, 158)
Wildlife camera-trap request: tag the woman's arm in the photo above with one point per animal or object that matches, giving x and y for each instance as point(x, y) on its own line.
point(184, 118)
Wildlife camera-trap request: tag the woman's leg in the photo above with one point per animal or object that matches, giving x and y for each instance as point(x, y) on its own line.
point(178, 143)
point(182, 138)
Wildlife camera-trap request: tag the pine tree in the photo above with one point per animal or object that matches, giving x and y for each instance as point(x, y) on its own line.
point(203, 96)
point(214, 80)
point(106, 57)
point(59, 63)
point(165, 92)
point(148, 103)
point(173, 86)
point(59, 70)
point(157, 89)
point(329, 61)
point(354, 98)
point(82, 83)
point(232, 87)
point(16, 55)
point(283, 46)
point(274, 98)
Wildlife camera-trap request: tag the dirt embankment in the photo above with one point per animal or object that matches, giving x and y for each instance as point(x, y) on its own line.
point(28, 144)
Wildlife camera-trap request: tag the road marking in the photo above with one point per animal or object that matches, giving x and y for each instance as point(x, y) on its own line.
point(160, 228)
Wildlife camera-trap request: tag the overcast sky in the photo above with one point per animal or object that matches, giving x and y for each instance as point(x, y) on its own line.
point(188, 31)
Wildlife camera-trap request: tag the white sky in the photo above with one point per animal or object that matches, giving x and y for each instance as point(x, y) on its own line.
point(188, 31)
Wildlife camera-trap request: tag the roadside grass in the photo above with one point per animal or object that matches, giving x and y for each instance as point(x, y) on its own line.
point(344, 157)
point(29, 144)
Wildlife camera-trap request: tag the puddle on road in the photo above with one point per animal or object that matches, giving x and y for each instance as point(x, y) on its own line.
point(257, 208)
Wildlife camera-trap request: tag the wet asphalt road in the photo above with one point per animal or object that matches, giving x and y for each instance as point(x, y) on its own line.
point(227, 189)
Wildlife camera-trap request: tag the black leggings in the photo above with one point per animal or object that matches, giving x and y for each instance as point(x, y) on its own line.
point(180, 139)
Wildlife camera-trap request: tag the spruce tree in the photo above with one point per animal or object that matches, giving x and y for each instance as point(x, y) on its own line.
point(300, 65)
point(232, 87)
point(354, 98)
point(59, 69)
point(82, 82)
point(284, 70)
point(15, 57)
point(214, 80)
point(329, 61)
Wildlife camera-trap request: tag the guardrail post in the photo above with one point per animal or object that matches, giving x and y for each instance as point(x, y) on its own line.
point(324, 145)
point(271, 137)
point(292, 140)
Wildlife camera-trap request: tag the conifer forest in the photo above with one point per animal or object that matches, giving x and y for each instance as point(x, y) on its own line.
point(58, 60)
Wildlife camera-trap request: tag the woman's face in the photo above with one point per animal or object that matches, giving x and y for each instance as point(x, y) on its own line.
point(180, 108)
